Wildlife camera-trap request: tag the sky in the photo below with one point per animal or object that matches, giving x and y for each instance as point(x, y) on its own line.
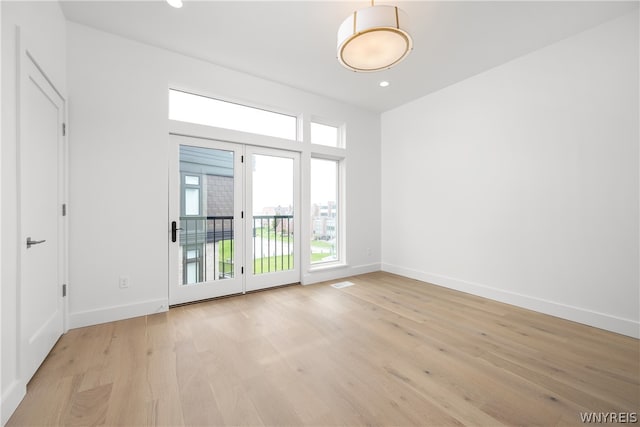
point(273, 182)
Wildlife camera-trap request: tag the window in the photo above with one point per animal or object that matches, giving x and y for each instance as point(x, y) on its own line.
point(187, 107)
point(192, 272)
point(324, 211)
point(191, 195)
point(325, 135)
point(191, 180)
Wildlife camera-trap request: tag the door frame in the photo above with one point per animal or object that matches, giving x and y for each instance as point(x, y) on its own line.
point(25, 60)
point(240, 139)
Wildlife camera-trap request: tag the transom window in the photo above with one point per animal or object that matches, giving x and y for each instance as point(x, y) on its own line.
point(187, 107)
point(322, 134)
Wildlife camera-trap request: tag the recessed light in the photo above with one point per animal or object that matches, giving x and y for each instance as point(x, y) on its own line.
point(175, 3)
point(384, 83)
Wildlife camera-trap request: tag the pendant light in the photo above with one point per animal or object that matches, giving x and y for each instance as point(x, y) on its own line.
point(374, 38)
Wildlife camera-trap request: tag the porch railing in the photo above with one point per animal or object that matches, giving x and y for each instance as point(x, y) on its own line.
point(272, 243)
point(211, 239)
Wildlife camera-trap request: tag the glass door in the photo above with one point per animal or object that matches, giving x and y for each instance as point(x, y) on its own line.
point(272, 224)
point(206, 245)
point(233, 218)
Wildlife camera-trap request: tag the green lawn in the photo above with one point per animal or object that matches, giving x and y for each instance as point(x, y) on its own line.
point(321, 244)
point(261, 265)
point(274, 263)
point(267, 264)
point(318, 257)
point(225, 248)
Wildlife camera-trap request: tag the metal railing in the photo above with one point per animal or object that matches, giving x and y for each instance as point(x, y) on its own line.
point(272, 243)
point(203, 235)
point(208, 246)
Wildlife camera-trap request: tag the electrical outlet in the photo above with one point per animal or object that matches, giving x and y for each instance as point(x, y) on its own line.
point(123, 282)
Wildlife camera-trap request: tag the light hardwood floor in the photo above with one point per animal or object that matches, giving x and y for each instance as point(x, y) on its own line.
point(386, 351)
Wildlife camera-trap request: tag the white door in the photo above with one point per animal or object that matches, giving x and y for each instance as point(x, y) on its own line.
point(272, 223)
point(232, 218)
point(205, 211)
point(40, 174)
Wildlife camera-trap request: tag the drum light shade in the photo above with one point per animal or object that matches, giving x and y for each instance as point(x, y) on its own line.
point(373, 39)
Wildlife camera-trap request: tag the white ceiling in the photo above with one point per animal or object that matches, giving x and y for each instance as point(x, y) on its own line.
point(294, 42)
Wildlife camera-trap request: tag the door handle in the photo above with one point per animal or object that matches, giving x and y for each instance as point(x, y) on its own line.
point(33, 242)
point(174, 230)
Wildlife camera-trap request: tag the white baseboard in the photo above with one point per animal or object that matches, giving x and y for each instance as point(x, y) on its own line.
point(11, 398)
point(337, 272)
point(109, 314)
point(608, 322)
point(120, 312)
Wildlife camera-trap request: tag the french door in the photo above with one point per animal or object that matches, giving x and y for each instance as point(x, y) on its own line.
point(233, 218)
point(271, 225)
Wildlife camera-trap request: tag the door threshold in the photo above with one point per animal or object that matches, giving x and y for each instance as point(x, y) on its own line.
point(232, 295)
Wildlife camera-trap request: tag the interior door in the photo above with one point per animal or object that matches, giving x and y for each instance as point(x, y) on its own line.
point(272, 225)
point(206, 245)
point(40, 175)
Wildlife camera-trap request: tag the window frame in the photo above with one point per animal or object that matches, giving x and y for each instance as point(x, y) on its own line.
point(340, 234)
point(183, 188)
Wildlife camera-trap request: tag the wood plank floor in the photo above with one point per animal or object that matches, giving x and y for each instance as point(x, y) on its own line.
point(386, 351)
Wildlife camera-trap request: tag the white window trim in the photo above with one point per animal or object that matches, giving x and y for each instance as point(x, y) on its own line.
point(341, 262)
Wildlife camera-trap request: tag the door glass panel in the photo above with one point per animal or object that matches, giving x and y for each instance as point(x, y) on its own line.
point(273, 206)
point(206, 217)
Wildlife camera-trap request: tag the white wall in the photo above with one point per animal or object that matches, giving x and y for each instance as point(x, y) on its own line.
point(1, 224)
point(42, 27)
point(521, 184)
point(118, 139)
